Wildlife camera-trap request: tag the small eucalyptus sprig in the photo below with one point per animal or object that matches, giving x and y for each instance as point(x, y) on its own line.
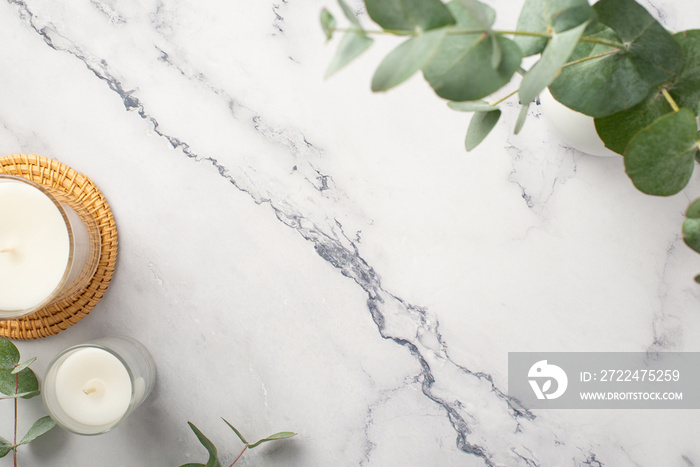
point(211, 449)
point(17, 381)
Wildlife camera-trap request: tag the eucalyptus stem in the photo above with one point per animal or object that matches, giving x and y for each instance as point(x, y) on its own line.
point(670, 100)
point(14, 449)
point(459, 32)
point(239, 455)
point(507, 97)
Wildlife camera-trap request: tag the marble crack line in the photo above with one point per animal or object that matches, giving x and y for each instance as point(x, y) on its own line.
point(402, 324)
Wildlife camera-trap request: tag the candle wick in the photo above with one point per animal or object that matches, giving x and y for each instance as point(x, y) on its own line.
point(90, 390)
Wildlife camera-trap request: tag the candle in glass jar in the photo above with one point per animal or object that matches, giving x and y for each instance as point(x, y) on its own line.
point(34, 246)
point(93, 387)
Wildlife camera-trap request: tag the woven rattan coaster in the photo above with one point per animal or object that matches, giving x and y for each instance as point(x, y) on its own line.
point(55, 318)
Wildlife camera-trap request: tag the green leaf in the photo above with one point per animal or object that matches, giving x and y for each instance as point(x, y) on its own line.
point(480, 126)
point(5, 447)
point(693, 211)
point(472, 106)
point(349, 14)
point(521, 118)
point(39, 427)
point(618, 129)
point(9, 355)
point(574, 16)
point(548, 67)
point(351, 46)
point(484, 16)
point(22, 366)
point(604, 79)
point(686, 89)
point(211, 449)
point(540, 16)
point(193, 465)
point(27, 383)
point(238, 433)
point(660, 158)
point(691, 226)
point(328, 23)
point(461, 70)
point(406, 59)
point(23, 395)
point(281, 435)
point(409, 15)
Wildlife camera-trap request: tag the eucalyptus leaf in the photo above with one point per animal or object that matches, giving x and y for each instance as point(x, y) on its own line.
point(5, 447)
point(483, 14)
point(23, 365)
point(9, 355)
point(238, 433)
point(540, 16)
point(23, 382)
point(693, 211)
point(276, 436)
point(660, 158)
point(409, 15)
point(686, 89)
point(521, 118)
point(461, 70)
point(472, 106)
point(606, 79)
point(39, 427)
point(351, 46)
point(328, 23)
point(349, 14)
point(691, 226)
point(23, 395)
point(574, 16)
point(406, 59)
point(618, 129)
point(548, 67)
point(480, 126)
point(691, 233)
point(211, 449)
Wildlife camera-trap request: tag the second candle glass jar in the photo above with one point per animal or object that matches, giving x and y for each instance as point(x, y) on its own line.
point(91, 388)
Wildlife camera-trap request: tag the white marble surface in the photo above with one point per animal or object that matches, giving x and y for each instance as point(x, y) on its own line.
point(303, 255)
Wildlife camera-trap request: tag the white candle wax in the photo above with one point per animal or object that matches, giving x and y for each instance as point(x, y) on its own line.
point(34, 246)
point(93, 387)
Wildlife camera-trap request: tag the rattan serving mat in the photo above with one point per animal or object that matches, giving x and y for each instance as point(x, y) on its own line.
point(55, 318)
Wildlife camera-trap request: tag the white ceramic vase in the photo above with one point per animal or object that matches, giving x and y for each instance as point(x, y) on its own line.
point(574, 128)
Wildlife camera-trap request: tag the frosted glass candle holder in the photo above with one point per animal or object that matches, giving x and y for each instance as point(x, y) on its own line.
point(91, 388)
point(49, 246)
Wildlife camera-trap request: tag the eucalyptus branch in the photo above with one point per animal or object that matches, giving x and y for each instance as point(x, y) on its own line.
point(17, 381)
point(467, 32)
point(211, 449)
